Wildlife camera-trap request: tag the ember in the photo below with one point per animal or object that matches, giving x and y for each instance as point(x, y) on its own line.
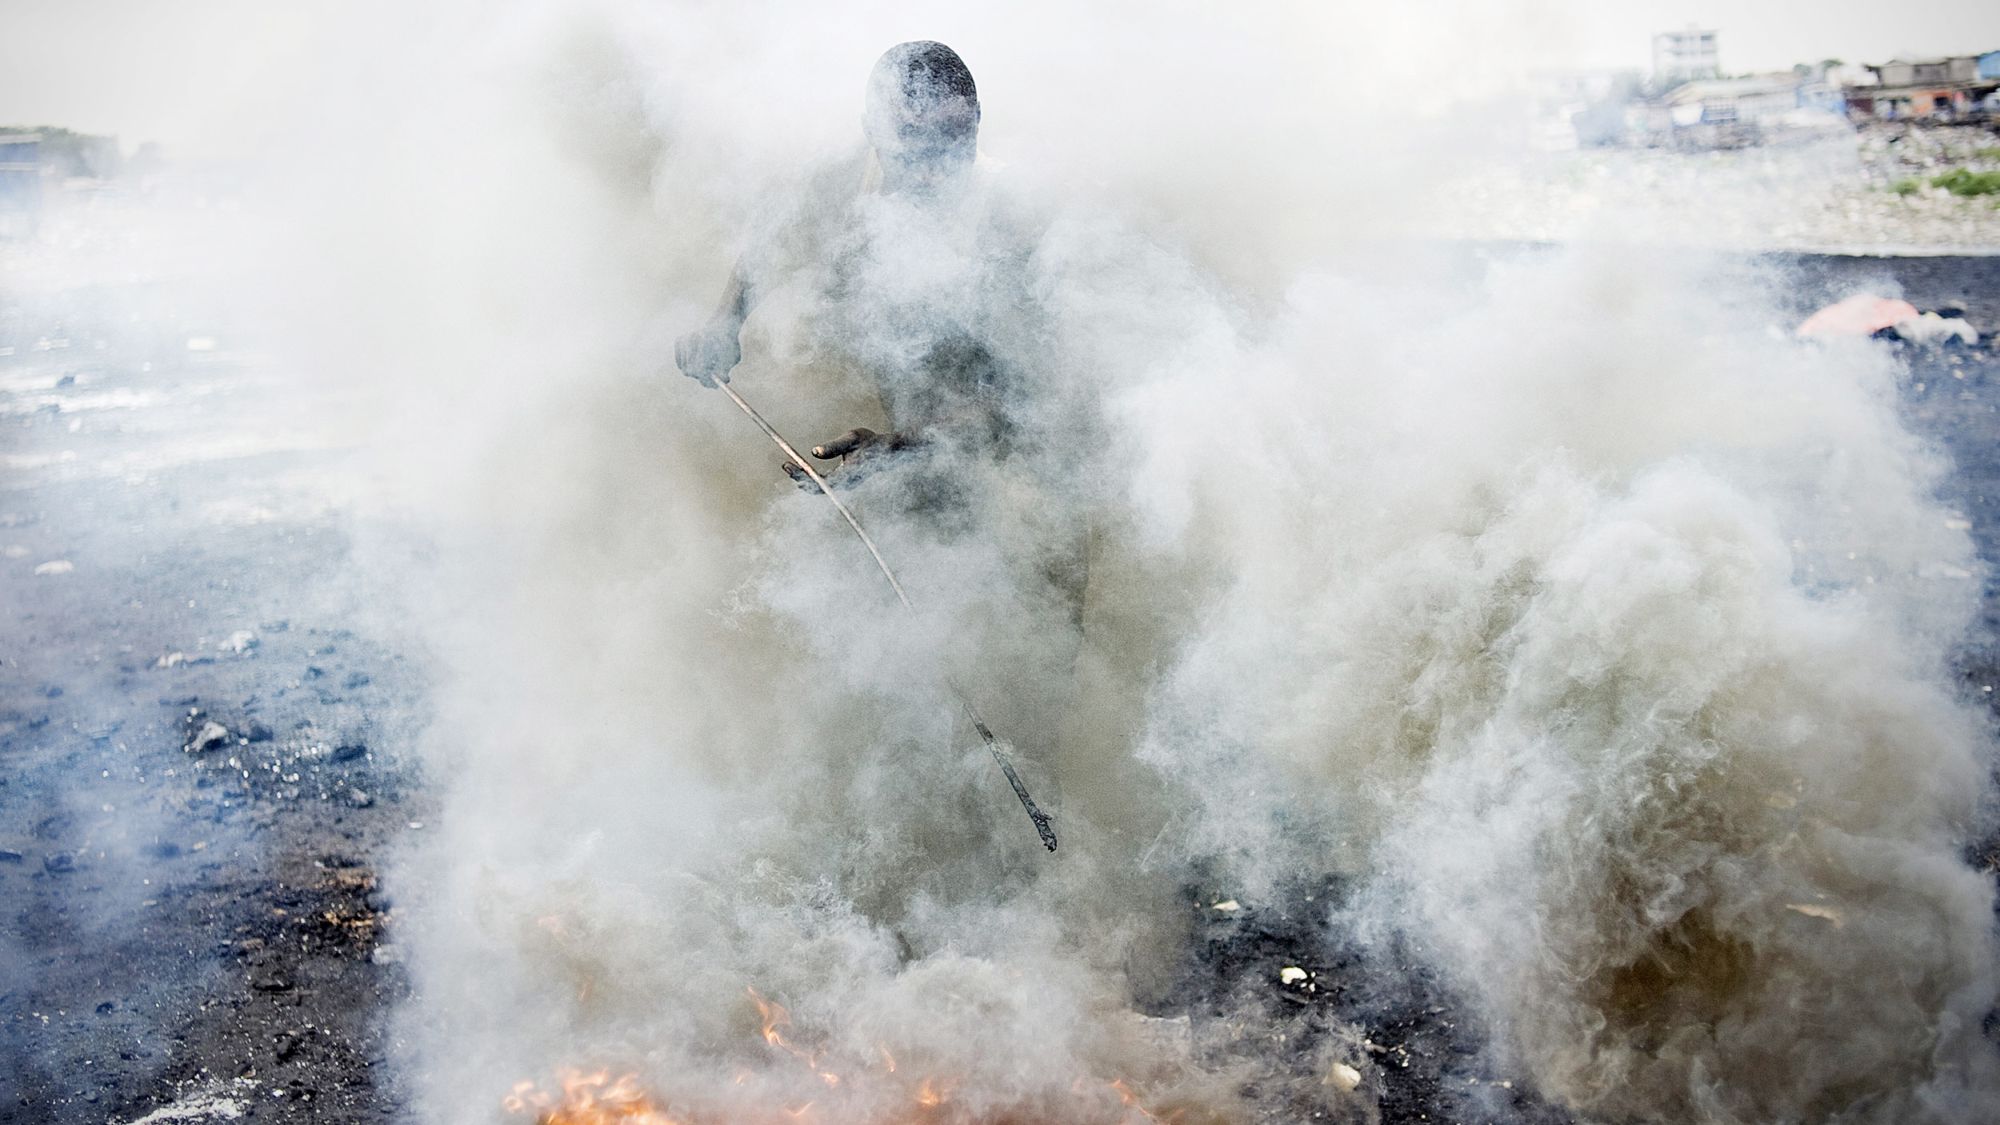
point(595, 1098)
point(775, 1016)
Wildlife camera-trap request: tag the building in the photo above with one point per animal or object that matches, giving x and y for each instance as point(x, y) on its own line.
point(1720, 101)
point(1944, 87)
point(1683, 56)
point(1735, 112)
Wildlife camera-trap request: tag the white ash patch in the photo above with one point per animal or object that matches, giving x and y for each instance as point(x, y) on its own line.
point(215, 1102)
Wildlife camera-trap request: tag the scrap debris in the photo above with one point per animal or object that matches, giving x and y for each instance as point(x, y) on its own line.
point(1889, 318)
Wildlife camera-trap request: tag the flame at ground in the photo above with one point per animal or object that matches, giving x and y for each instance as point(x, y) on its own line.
point(594, 1098)
point(590, 1098)
point(775, 1017)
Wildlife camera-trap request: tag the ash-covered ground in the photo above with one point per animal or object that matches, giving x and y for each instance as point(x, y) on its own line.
point(203, 747)
point(201, 756)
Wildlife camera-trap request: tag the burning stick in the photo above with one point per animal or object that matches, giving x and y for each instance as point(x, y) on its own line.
point(1035, 813)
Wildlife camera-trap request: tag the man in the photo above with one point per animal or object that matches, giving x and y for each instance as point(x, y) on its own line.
point(925, 345)
point(920, 280)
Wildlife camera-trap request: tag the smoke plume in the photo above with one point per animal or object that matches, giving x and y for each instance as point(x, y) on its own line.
point(1591, 633)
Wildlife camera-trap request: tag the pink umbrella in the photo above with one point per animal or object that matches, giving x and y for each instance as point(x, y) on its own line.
point(1863, 315)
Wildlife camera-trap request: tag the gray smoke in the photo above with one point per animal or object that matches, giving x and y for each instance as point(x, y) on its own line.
point(1595, 631)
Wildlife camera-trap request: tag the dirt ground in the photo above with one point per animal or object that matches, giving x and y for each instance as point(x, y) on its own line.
point(204, 759)
point(201, 760)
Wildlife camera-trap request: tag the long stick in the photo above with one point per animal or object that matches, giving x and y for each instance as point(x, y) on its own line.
point(1035, 813)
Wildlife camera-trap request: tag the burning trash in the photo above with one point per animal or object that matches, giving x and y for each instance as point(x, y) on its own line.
point(592, 1098)
point(875, 1090)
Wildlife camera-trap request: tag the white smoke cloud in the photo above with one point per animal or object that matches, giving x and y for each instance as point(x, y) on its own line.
point(1582, 621)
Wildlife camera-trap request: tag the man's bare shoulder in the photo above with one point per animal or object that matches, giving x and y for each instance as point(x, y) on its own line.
point(808, 211)
point(834, 183)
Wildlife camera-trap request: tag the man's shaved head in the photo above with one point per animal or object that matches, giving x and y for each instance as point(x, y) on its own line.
point(923, 107)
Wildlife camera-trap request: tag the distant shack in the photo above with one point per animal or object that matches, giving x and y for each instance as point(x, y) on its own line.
point(1951, 87)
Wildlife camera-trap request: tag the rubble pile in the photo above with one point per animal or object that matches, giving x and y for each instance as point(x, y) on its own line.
point(1892, 151)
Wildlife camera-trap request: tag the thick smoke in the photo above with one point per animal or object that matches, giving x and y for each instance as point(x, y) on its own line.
point(1615, 655)
point(1591, 629)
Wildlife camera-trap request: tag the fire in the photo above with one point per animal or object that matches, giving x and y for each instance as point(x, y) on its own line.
point(1133, 1105)
point(594, 1098)
point(932, 1092)
point(590, 1098)
point(775, 1016)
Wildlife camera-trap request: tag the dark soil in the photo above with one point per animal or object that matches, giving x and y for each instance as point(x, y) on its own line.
point(199, 765)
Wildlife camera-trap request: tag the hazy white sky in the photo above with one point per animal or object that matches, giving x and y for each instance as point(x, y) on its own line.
point(148, 70)
point(1774, 34)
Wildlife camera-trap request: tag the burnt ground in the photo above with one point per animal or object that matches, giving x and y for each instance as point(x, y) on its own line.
point(200, 761)
point(204, 755)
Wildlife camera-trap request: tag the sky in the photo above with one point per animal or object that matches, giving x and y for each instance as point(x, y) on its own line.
point(1774, 34)
point(145, 70)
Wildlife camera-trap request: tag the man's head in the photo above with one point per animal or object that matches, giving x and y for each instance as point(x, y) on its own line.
point(922, 111)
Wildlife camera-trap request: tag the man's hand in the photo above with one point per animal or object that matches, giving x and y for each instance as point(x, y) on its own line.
point(709, 353)
point(860, 444)
point(860, 452)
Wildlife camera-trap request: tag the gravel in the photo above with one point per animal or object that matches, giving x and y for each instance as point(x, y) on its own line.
point(1829, 193)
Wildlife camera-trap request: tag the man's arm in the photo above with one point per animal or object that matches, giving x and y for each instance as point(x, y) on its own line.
point(710, 352)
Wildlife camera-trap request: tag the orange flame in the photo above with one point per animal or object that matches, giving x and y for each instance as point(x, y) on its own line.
point(593, 1098)
point(589, 1098)
point(775, 1016)
point(1132, 1103)
point(934, 1092)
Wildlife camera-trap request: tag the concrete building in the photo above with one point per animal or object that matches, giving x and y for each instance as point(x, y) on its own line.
point(1723, 100)
point(1945, 87)
point(1682, 56)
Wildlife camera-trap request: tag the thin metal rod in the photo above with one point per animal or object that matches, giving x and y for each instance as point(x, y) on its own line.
point(1041, 819)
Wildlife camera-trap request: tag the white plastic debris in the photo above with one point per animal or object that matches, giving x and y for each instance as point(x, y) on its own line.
point(1227, 906)
point(171, 660)
point(212, 1103)
point(1930, 328)
point(211, 733)
point(1342, 1077)
point(56, 566)
point(1292, 974)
